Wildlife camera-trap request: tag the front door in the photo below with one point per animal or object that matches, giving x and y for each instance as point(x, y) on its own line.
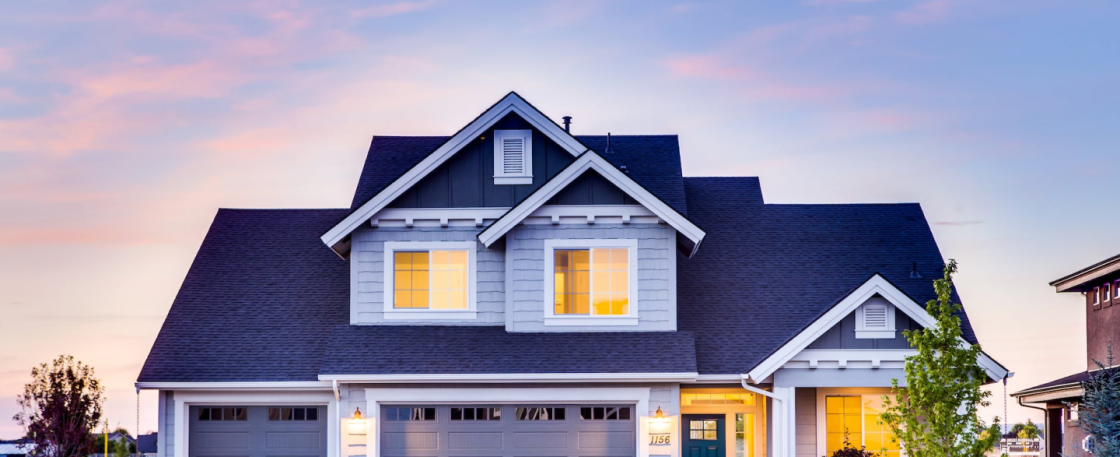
point(703, 435)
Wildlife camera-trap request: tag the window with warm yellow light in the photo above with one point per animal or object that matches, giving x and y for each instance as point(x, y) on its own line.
point(434, 279)
point(592, 281)
point(857, 417)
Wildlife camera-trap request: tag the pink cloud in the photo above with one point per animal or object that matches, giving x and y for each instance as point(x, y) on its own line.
point(749, 82)
point(7, 59)
point(393, 9)
point(706, 67)
point(924, 13)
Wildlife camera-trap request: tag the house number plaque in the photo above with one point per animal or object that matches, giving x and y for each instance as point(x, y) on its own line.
point(659, 438)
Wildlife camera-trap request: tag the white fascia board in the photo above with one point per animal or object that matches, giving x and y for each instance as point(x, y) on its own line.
point(876, 285)
point(512, 377)
point(590, 160)
point(512, 103)
point(219, 386)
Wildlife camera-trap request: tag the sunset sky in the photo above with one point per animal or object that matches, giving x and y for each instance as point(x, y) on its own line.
point(125, 125)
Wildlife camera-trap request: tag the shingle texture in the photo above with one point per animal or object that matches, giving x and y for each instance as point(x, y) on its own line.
point(265, 300)
point(654, 161)
point(765, 272)
point(257, 303)
point(1073, 379)
point(459, 350)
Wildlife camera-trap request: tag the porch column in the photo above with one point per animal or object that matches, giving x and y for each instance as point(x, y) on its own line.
point(783, 432)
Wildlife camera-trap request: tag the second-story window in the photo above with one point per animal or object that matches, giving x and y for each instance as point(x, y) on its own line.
point(1106, 292)
point(590, 279)
point(429, 278)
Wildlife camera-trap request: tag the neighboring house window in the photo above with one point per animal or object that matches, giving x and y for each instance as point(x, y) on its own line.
point(1106, 292)
point(1096, 296)
point(875, 319)
point(293, 414)
point(590, 279)
point(429, 280)
point(513, 157)
point(857, 418)
point(1073, 411)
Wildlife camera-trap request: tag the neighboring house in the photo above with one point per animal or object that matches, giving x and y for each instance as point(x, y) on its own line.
point(1098, 284)
point(513, 290)
point(15, 448)
point(146, 445)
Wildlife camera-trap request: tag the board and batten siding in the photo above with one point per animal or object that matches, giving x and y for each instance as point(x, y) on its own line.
point(165, 446)
point(656, 270)
point(805, 406)
point(367, 275)
point(843, 334)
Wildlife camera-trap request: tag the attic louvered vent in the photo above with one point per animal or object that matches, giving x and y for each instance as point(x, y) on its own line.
point(875, 319)
point(513, 157)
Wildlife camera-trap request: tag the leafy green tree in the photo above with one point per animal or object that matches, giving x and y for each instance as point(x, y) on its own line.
point(936, 414)
point(60, 407)
point(1027, 431)
point(120, 448)
point(1099, 410)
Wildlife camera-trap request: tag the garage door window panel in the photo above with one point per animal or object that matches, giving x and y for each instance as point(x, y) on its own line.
point(476, 414)
point(539, 413)
point(214, 414)
point(409, 413)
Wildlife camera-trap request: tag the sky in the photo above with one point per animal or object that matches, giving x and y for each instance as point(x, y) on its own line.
point(125, 125)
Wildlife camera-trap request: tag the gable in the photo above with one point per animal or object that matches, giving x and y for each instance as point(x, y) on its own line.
point(591, 189)
point(466, 179)
point(843, 334)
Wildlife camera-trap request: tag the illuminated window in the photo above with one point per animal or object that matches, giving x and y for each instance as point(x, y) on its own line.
point(420, 279)
point(703, 430)
point(592, 281)
point(701, 399)
point(856, 418)
point(744, 435)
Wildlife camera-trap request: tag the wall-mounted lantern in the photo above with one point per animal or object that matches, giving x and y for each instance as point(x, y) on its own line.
point(357, 425)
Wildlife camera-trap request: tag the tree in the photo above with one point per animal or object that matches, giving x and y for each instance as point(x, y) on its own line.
point(120, 448)
point(1099, 411)
point(936, 414)
point(1027, 431)
point(60, 408)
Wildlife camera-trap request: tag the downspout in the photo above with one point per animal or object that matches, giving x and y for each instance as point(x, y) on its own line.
point(339, 412)
point(1045, 425)
point(780, 445)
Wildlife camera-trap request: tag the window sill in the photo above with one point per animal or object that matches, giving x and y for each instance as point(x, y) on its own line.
point(421, 315)
point(590, 320)
point(512, 180)
point(875, 334)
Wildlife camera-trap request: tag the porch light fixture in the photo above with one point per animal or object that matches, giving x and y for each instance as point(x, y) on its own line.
point(658, 414)
point(357, 425)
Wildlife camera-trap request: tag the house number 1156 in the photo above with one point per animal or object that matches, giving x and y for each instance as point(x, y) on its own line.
point(659, 439)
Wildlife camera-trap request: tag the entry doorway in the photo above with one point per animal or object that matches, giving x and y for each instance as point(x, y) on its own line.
point(741, 419)
point(703, 435)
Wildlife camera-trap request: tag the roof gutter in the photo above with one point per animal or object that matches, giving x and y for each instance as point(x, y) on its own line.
point(250, 385)
point(511, 377)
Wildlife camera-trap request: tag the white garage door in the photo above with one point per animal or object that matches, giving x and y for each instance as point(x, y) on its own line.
point(508, 431)
point(258, 431)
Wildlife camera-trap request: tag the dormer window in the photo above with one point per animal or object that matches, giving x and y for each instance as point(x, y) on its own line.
point(513, 157)
point(875, 319)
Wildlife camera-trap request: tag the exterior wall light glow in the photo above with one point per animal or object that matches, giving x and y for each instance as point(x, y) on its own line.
point(356, 425)
point(658, 414)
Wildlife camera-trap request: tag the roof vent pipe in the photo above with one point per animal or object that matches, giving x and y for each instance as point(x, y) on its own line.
point(568, 124)
point(608, 150)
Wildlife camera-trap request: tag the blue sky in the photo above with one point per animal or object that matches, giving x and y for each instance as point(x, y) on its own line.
point(124, 126)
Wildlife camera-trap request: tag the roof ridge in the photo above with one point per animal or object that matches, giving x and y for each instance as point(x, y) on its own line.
point(280, 209)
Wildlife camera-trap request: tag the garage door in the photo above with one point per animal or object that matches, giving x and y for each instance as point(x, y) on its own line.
point(508, 431)
point(258, 431)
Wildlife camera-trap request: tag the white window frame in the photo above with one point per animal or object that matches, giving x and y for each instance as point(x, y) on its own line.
point(862, 392)
point(391, 247)
point(1106, 292)
point(862, 332)
point(526, 175)
point(1096, 296)
point(550, 316)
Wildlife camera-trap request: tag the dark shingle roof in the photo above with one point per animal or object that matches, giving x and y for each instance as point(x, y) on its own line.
point(767, 271)
point(257, 302)
point(654, 161)
point(460, 350)
point(1071, 380)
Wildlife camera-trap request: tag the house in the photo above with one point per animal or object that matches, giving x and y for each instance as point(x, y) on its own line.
point(1097, 284)
point(15, 448)
point(514, 290)
point(146, 445)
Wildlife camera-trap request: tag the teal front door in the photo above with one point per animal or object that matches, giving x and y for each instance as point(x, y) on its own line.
point(703, 435)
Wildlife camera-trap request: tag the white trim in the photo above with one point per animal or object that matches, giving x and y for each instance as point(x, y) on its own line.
point(877, 285)
point(184, 400)
point(638, 396)
point(550, 316)
point(390, 247)
point(511, 103)
point(849, 358)
point(501, 177)
point(228, 386)
point(547, 214)
point(511, 377)
point(442, 217)
point(590, 160)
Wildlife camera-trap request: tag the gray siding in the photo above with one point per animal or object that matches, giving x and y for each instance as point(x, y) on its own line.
point(656, 270)
point(166, 442)
point(367, 275)
point(805, 404)
point(843, 335)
